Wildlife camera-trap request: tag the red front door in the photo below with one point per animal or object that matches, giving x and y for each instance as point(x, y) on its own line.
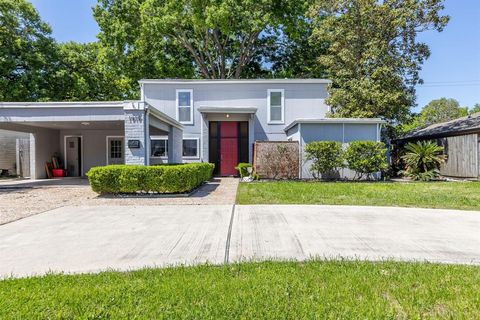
point(228, 148)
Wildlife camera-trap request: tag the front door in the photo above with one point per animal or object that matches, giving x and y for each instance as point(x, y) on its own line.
point(227, 145)
point(115, 154)
point(228, 148)
point(73, 159)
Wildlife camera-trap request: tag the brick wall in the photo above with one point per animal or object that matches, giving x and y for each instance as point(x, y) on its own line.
point(135, 130)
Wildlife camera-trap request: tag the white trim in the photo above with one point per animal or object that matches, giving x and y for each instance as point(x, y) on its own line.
point(336, 120)
point(221, 109)
point(236, 81)
point(82, 173)
point(177, 91)
point(79, 104)
point(107, 149)
point(198, 148)
point(153, 138)
point(282, 106)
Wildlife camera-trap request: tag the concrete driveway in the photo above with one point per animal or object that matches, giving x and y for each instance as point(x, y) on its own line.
point(85, 239)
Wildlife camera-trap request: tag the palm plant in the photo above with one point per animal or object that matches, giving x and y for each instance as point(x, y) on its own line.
point(422, 160)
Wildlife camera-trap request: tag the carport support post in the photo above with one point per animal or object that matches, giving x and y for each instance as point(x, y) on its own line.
point(137, 132)
point(175, 145)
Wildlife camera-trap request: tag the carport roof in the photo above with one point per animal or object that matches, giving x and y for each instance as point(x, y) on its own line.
point(335, 120)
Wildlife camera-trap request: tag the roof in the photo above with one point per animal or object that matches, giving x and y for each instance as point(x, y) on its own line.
point(69, 104)
point(233, 81)
point(335, 120)
point(470, 123)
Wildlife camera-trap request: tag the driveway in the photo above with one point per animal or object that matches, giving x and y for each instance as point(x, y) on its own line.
point(86, 239)
point(23, 198)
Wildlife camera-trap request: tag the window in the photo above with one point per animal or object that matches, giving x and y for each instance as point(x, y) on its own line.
point(276, 106)
point(185, 106)
point(115, 149)
point(158, 147)
point(190, 148)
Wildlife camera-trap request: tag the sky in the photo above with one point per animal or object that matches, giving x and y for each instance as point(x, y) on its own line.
point(452, 71)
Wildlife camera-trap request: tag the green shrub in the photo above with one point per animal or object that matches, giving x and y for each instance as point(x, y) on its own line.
point(326, 157)
point(365, 158)
point(243, 172)
point(422, 160)
point(160, 178)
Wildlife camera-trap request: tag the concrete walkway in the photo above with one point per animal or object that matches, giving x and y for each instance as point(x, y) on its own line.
point(86, 239)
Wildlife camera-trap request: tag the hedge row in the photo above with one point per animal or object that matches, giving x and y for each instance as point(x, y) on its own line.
point(162, 178)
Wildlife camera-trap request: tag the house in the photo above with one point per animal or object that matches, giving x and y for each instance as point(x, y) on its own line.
point(182, 121)
point(460, 139)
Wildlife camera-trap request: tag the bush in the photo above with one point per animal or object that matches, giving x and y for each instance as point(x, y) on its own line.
point(162, 178)
point(326, 156)
point(422, 160)
point(242, 169)
point(366, 157)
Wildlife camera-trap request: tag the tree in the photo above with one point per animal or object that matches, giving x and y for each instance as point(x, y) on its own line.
point(213, 39)
point(27, 52)
point(374, 57)
point(80, 75)
point(441, 110)
point(475, 109)
point(130, 49)
point(436, 111)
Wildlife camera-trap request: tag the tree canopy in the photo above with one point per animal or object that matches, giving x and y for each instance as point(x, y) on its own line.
point(436, 111)
point(374, 56)
point(27, 52)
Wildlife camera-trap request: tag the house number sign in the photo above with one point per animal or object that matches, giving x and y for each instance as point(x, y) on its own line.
point(135, 118)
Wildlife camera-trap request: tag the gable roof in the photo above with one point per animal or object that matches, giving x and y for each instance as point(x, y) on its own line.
point(470, 123)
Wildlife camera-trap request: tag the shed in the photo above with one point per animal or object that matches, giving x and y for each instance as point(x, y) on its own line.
point(460, 139)
point(343, 130)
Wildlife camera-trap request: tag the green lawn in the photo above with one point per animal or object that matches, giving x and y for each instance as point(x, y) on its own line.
point(449, 195)
point(269, 290)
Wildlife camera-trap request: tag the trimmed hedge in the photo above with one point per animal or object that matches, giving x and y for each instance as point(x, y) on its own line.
point(179, 178)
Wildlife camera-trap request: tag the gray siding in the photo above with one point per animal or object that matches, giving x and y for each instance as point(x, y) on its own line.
point(341, 132)
point(301, 100)
point(94, 145)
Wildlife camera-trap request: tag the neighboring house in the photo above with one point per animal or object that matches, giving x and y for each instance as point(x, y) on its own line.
point(460, 139)
point(12, 152)
point(183, 121)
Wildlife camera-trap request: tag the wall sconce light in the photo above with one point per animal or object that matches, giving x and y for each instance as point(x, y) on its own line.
point(228, 116)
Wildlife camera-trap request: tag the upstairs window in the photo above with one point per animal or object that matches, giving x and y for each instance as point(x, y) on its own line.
point(276, 106)
point(185, 106)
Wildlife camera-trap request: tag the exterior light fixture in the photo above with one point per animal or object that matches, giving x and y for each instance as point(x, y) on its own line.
point(228, 116)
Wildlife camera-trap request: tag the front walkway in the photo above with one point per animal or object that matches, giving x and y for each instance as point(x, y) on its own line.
point(23, 198)
point(84, 239)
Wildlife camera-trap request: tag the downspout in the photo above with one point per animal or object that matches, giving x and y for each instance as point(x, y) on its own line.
point(147, 135)
point(300, 169)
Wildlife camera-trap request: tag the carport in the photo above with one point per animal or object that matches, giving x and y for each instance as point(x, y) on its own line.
point(87, 134)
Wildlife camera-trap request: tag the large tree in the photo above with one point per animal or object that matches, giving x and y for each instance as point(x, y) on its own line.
point(27, 52)
point(436, 111)
point(79, 74)
point(212, 39)
point(374, 56)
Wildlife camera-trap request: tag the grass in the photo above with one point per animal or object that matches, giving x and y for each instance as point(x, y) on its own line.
point(267, 290)
point(448, 195)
